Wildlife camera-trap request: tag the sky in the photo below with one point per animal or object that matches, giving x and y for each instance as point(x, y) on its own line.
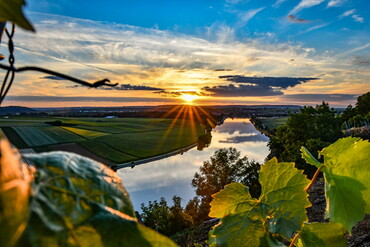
point(243, 52)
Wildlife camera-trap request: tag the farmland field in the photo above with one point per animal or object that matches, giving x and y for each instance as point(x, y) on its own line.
point(115, 141)
point(273, 122)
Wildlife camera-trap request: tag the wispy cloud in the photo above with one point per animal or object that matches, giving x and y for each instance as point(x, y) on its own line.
point(245, 17)
point(336, 3)
point(305, 4)
point(358, 18)
point(347, 13)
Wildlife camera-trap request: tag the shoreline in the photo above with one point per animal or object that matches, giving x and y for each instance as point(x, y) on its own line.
point(132, 164)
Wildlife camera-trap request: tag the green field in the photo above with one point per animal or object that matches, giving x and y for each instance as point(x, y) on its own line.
point(114, 140)
point(273, 122)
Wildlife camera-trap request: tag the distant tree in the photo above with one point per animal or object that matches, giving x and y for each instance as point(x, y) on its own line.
point(164, 219)
point(348, 113)
point(224, 167)
point(156, 216)
point(363, 104)
point(314, 128)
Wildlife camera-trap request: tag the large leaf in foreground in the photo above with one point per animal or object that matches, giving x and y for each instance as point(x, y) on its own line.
point(280, 208)
point(347, 173)
point(80, 202)
point(11, 10)
point(323, 235)
point(15, 191)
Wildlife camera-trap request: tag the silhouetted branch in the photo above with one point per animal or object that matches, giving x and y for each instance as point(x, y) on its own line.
point(67, 77)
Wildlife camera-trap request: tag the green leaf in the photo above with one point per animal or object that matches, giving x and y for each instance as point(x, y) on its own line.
point(279, 210)
point(309, 158)
point(234, 198)
point(11, 10)
point(15, 190)
point(347, 173)
point(323, 235)
point(80, 202)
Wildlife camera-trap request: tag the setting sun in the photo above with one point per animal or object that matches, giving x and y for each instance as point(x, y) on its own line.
point(189, 98)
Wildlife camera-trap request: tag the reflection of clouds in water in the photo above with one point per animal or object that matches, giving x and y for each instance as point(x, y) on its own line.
point(173, 175)
point(247, 138)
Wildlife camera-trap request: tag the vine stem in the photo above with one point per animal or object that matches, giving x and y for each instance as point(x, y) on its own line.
point(294, 240)
point(313, 179)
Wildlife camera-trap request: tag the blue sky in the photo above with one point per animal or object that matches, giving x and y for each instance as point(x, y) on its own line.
point(192, 46)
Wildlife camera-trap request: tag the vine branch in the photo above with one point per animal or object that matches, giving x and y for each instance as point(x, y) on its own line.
point(64, 76)
point(313, 179)
point(294, 240)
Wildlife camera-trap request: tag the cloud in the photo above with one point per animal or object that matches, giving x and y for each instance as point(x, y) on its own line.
point(293, 18)
point(132, 87)
point(280, 82)
point(305, 4)
point(336, 3)
point(358, 18)
point(254, 86)
point(84, 99)
point(179, 93)
point(316, 98)
point(347, 13)
point(52, 77)
point(233, 90)
point(245, 17)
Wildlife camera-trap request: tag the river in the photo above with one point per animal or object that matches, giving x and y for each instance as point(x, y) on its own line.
point(172, 175)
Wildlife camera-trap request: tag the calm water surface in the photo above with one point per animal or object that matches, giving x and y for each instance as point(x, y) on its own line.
point(172, 176)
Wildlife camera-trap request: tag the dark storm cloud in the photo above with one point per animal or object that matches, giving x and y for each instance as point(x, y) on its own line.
point(293, 18)
point(241, 90)
point(281, 82)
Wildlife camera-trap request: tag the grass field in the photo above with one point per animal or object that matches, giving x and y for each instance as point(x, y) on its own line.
point(115, 140)
point(273, 122)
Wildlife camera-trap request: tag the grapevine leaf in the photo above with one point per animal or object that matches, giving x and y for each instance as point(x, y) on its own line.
point(80, 202)
point(234, 198)
point(15, 189)
point(11, 10)
point(347, 175)
point(106, 227)
point(71, 180)
point(322, 234)
point(280, 208)
point(309, 158)
point(283, 197)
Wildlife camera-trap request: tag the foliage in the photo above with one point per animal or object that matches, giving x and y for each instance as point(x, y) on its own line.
point(74, 202)
point(314, 128)
point(279, 213)
point(164, 219)
point(224, 167)
point(12, 11)
point(347, 181)
point(363, 104)
point(15, 192)
point(348, 113)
